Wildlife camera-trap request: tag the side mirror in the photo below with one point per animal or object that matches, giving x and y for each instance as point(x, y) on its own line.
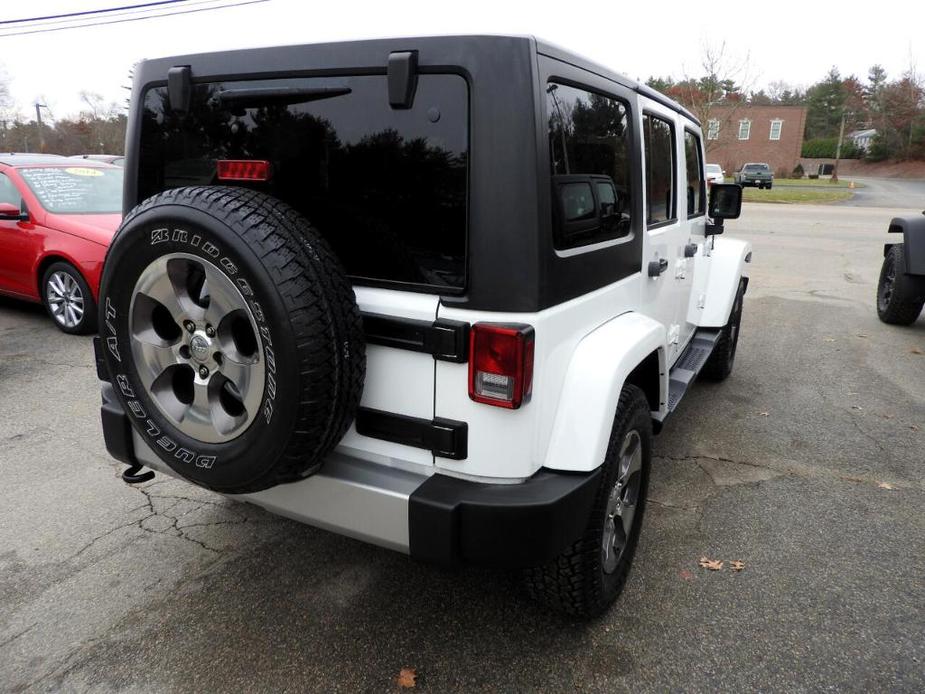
point(11, 213)
point(725, 201)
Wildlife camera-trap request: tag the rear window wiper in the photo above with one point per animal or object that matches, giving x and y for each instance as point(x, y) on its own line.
point(285, 96)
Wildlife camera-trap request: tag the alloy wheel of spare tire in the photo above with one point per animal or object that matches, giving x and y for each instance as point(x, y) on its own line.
point(232, 337)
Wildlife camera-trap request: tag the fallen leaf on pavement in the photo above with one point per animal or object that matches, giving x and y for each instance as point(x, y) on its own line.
point(737, 565)
point(856, 407)
point(407, 678)
point(913, 427)
point(687, 575)
point(711, 564)
point(886, 485)
point(764, 414)
point(829, 339)
point(916, 350)
point(862, 335)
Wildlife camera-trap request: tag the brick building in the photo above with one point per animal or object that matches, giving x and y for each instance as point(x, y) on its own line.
point(743, 133)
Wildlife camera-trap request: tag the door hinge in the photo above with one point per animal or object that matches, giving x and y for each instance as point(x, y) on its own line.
point(445, 438)
point(446, 340)
point(674, 334)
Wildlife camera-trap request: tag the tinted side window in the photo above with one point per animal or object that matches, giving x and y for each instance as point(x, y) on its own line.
point(660, 167)
point(589, 156)
point(386, 187)
point(696, 202)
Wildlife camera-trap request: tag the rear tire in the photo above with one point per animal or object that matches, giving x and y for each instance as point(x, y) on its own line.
point(68, 300)
point(586, 578)
point(721, 361)
point(899, 297)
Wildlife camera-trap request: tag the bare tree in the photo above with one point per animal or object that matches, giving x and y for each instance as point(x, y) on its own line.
point(725, 80)
point(9, 113)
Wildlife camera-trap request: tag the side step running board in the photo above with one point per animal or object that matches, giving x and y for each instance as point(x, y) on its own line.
point(689, 364)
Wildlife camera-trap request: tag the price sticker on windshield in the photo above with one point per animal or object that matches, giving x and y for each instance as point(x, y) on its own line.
point(83, 171)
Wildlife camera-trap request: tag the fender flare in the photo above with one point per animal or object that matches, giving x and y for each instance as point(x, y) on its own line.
point(596, 374)
point(728, 261)
point(913, 231)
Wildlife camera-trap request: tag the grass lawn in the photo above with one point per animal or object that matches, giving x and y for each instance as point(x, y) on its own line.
point(810, 182)
point(794, 195)
point(842, 182)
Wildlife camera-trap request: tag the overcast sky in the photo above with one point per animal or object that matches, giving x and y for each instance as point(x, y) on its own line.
point(796, 42)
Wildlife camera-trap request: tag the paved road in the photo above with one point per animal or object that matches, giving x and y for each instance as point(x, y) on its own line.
point(806, 465)
point(888, 192)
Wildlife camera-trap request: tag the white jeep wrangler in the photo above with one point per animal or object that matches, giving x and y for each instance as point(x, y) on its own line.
point(434, 293)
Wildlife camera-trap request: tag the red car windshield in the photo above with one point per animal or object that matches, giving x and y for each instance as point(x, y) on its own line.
point(76, 189)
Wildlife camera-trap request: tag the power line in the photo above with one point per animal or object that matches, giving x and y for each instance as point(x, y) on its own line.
point(133, 19)
point(74, 23)
point(89, 12)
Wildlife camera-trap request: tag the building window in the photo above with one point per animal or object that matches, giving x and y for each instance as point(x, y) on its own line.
point(713, 129)
point(776, 126)
point(745, 128)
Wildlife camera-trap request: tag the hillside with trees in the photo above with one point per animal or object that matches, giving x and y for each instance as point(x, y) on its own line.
point(895, 108)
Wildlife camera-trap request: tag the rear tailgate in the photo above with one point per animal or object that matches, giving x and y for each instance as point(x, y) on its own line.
point(385, 184)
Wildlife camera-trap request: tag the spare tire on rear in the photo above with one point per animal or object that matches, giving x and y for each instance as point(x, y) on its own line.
point(232, 337)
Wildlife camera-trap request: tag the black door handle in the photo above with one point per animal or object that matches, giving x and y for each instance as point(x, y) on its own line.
point(657, 267)
point(690, 250)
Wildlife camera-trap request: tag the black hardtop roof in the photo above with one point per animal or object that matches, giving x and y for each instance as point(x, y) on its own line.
point(156, 69)
point(26, 159)
point(566, 56)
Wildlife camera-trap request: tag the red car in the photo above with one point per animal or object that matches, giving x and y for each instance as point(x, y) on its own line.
point(57, 217)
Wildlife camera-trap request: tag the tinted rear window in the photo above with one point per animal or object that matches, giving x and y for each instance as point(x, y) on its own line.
point(756, 168)
point(387, 187)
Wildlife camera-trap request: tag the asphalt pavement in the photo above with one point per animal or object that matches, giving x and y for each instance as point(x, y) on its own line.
point(806, 465)
point(888, 192)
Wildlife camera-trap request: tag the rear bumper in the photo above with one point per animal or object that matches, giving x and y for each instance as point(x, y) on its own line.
point(434, 518)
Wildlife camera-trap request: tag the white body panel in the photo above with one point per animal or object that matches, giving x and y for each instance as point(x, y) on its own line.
point(512, 444)
point(664, 298)
point(592, 388)
point(397, 380)
point(727, 265)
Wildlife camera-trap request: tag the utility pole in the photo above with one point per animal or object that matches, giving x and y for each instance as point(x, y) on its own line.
point(551, 90)
point(38, 120)
point(841, 135)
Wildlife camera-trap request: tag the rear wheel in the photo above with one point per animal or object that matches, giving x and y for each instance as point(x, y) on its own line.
point(899, 297)
point(589, 576)
point(68, 300)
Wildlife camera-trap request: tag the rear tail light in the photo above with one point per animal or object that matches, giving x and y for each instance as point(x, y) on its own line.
point(501, 364)
point(243, 170)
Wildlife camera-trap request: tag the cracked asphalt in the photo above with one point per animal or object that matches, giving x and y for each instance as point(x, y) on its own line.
point(806, 465)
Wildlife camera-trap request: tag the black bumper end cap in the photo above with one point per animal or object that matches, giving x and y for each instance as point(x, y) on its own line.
point(454, 521)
